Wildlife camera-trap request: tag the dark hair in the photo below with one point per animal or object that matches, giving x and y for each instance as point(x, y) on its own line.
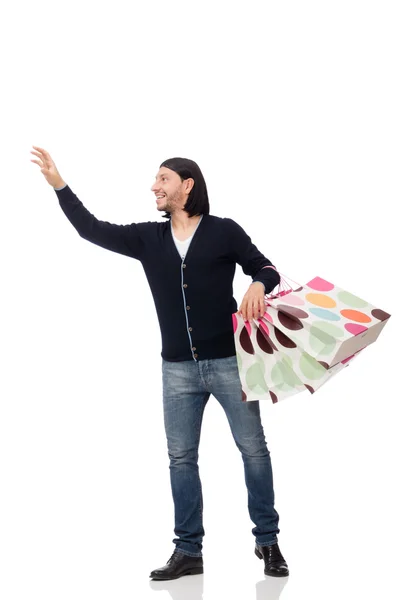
point(197, 202)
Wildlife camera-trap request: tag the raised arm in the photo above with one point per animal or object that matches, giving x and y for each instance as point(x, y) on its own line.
point(123, 239)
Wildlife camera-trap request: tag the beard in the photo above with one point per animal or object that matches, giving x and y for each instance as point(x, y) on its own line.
point(170, 203)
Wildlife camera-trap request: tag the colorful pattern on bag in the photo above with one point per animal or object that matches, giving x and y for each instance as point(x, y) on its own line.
point(330, 316)
point(272, 366)
point(305, 337)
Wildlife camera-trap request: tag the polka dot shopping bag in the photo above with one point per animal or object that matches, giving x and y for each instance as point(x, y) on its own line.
point(307, 335)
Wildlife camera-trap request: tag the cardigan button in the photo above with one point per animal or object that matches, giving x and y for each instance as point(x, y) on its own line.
point(196, 355)
point(184, 266)
point(188, 308)
point(194, 348)
point(185, 285)
point(190, 328)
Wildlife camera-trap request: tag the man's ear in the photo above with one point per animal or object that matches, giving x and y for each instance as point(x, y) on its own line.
point(191, 182)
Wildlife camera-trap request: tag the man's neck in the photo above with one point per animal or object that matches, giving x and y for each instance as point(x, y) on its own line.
point(184, 223)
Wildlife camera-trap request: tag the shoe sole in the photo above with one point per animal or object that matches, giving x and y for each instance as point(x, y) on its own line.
point(272, 574)
point(195, 571)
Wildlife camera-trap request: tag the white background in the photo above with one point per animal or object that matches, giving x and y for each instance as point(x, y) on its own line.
point(289, 109)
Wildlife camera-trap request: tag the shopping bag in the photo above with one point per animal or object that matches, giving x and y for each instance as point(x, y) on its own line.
point(327, 321)
point(271, 366)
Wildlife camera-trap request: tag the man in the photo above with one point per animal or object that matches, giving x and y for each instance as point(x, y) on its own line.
point(189, 262)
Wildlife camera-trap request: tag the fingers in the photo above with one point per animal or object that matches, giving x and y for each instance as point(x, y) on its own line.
point(41, 152)
point(262, 306)
point(36, 161)
point(253, 308)
point(41, 149)
point(44, 155)
point(246, 310)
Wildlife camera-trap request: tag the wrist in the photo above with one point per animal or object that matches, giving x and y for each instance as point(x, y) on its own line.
point(59, 184)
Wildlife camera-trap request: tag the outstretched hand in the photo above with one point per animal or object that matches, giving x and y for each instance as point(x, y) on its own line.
point(48, 167)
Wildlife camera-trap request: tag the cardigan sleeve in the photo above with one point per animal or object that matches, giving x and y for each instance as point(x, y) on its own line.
point(123, 239)
point(252, 261)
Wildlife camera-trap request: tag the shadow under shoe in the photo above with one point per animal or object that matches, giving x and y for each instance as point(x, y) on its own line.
point(178, 565)
point(274, 561)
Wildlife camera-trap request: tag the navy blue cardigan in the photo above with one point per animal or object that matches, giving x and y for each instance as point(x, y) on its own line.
point(193, 297)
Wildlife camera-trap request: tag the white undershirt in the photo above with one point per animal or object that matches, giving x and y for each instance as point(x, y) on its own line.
point(182, 247)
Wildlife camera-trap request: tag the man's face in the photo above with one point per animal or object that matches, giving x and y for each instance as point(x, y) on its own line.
point(172, 190)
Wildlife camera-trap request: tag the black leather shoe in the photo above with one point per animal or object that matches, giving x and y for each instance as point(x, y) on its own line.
point(274, 561)
point(178, 565)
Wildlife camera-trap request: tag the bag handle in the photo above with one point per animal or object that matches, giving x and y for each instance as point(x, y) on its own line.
point(284, 287)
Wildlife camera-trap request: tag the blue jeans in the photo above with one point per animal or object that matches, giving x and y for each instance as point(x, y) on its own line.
point(187, 386)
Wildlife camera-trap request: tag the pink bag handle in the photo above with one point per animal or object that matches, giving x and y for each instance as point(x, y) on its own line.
point(283, 286)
